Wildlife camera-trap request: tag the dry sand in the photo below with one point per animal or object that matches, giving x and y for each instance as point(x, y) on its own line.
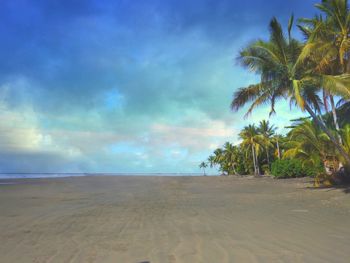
point(172, 219)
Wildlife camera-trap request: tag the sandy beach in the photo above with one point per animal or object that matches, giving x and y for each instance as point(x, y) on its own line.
point(172, 219)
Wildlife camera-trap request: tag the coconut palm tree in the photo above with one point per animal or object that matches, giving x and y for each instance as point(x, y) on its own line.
point(277, 140)
point(309, 144)
point(285, 75)
point(211, 161)
point(267, 132)
point(218, 159)
point(231, 156)
point(328, 44)
point(218, 156)
point(203, 165)
point(328, 37)
point(251, 141)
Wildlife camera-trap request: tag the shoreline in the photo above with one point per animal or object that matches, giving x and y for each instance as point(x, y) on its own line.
point(66, 175)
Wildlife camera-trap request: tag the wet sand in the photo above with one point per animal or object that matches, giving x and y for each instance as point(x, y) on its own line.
point(172, 219)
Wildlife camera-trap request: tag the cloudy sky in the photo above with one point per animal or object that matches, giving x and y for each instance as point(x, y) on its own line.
point(126, 86)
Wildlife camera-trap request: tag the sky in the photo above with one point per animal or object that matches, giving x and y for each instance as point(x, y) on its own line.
point(122, 86)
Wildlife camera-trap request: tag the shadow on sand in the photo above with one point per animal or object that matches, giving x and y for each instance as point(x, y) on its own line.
point(344, 188)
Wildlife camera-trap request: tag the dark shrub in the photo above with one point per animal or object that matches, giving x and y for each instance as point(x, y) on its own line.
point(288, 168)
point(240, 169)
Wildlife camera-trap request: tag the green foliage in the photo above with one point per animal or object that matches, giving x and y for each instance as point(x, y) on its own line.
point(313, 170)
point(265, 169)
point(287, 168)
point(252, 155)
point(228, 160)
point(292, 168)
point(301, 72)
point(308, 143)
point(241, 168)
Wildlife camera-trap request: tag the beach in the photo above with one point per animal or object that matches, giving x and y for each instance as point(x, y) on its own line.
point(172, 219)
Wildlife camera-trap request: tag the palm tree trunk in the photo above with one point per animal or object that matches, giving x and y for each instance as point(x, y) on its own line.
point(268, 157)
point(330, 135)
point(254, 160)
point(278, 150)
point(335, 118)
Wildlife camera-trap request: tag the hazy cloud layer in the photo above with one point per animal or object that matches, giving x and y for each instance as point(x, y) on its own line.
point(125, 86)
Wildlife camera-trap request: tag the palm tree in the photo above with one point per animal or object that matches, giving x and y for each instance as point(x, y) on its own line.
point(277, 139)
point(203, 165)
point(252, 142)
point(230, 155)
point(218, 156)
point(267, 132)
point(345, 132)
point(218, 159)
point(309, 144)
point(328, 38)
point(211, 161)
point(285, 75)
point(328, 44)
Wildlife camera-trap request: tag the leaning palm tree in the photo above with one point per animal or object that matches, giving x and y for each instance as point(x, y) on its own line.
point(328, 44)
point(251, 141)
point(203, 165)
point(285, 75)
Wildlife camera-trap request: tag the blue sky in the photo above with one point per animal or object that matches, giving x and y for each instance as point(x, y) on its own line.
point(126, 86)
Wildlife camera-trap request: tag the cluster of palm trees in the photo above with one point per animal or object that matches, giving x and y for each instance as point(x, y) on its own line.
point(313, 75)
point(258, 149)
point(260, 146)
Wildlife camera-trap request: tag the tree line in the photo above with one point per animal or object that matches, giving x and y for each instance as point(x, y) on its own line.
point(312, 74)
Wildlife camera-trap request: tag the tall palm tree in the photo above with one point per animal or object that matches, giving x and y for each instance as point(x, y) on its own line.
point(285, 75)
point(251, 141)
point(203, 165)
point(267, 132)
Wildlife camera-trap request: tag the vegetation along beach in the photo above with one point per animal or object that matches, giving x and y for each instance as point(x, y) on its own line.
point(311, 75)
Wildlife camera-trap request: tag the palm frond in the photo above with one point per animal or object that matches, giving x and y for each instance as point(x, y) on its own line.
point(290, 25)
point(244, 95)
point(297, 94)
point(337, 85)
